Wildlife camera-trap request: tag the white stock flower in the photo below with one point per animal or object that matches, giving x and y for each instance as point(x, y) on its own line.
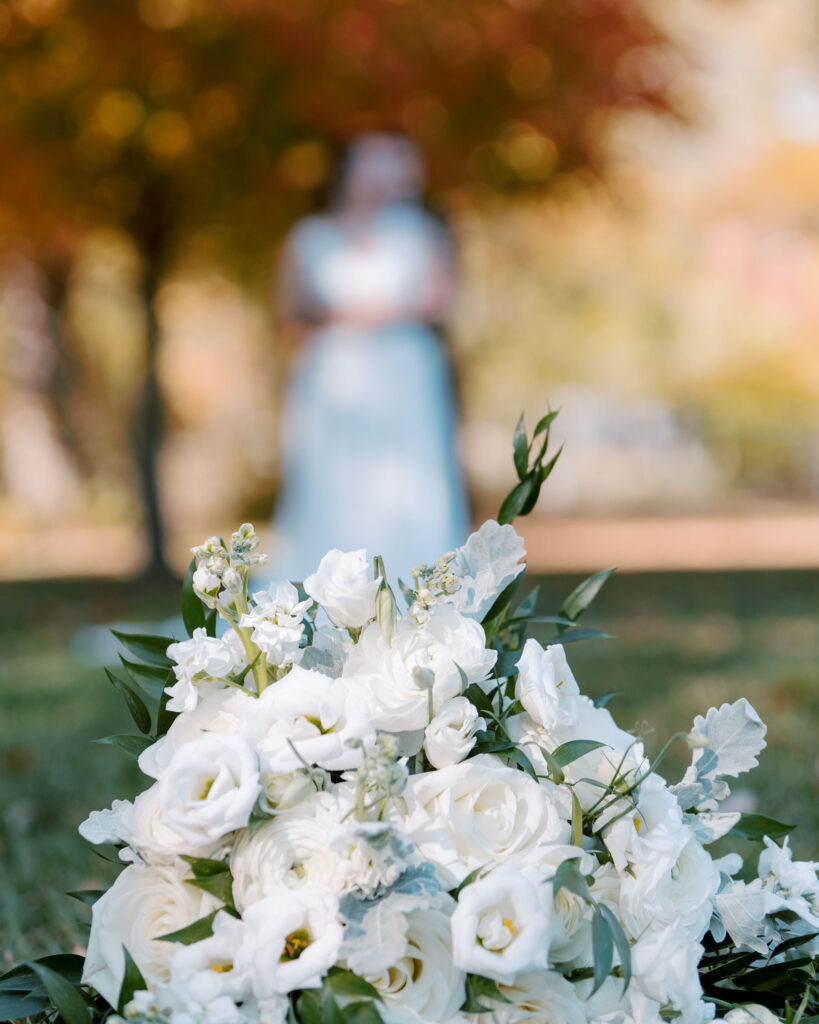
point(202, 659)
point(662, 892)
point(481, 812)
point(486, 564)
point(290, 941)
point(277, 621)
point(142, 904)
point(501, 926)
point(422, 984)
point(419, 660)
point(546, 687)
point(342, 588)
point(310, 718)
point(292, 851)
point(451, 734)
point(209, 788)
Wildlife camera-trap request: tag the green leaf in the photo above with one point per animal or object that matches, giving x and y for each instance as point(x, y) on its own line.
point(555, 771)
point(517, 498)
point(149, 648)
point(756, 826)
point(527, 606)
point(568, 876)
point(151, 679)
point(134, 703)
point(601, 702)
point(15, 1006)
point(308, 1007)
point(545, 422)
point(568, 752)
point(362, 1013)
point(504, 599)
point(486, 988)
point(193, 611)
point(164, 718)
point(71, 1005)
point(520, 448)
point(572, 636)
point(132, 981)
point(330, 1011)
point(522, 761)
point(582, 596)
point(507, 663)
point(577, 821)
point(195, 932)
point(602, 950)
point(473, 876)
point(87, 896)
point(620, 941)
point(220, 886)
point(130, 744)
point(346, 983)
point(204, 866)
point(478, 698)
point(407, 592)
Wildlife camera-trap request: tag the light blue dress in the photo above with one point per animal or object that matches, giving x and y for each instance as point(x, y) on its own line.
point(368, 433)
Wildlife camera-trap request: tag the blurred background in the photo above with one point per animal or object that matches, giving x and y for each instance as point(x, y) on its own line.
point(632, 188)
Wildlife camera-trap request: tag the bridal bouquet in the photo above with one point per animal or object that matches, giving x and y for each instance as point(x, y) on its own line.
point(381, 801)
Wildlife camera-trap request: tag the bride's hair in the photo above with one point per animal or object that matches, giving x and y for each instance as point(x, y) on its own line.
point(385, 167)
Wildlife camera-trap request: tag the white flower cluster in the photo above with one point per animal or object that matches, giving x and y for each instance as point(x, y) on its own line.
point(377, 797)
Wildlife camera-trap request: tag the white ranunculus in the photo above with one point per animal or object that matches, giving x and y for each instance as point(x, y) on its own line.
point(290, 941)
point(292, 851)
point(501, 926)
point(480, 813)
point(309, 718)
point(277, 621)
point(654, 828)
point(209, 788)
point(201, 660)
point(451, 734)
point(420, 660)
point(220, 711)
point(663, 892)
point(342, 588)
point(422, 985)
point(484, 566)
point(542, 996)
point(143, 903)
point(546, 687)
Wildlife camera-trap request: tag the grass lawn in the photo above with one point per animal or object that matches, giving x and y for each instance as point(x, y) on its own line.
point(682, 642)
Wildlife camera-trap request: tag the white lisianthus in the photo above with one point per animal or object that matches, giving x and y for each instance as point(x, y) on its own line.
point(309, 718)
point(196, 1002)
point(206, 967)
point(154, 840)
point(486, 564)
point(277, 621)
point(201, 660)
point(451, 734)
point(422, 984)
point(654, 828)
point(292, 851)
point(143, 904)
point(501, 926)
point(664, 968)
point(342, 588)
point(419, 662)
point(209, 788)
point(290, 941)
point(546, 687)
point(481, 813)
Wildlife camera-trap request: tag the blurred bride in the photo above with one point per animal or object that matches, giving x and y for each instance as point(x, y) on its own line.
point(368, 428)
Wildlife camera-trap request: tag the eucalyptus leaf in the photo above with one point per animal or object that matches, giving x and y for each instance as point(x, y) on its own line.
point(517, 498)
point(756, 826)
point(582, 596)
point(568, 876)
point(72, 1007)
point(568, 752)
point(620, 941)
point(520, 448)
point(545, 422)
point(602, 950)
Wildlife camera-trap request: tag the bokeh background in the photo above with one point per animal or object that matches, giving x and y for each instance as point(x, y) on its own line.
point(633, 189)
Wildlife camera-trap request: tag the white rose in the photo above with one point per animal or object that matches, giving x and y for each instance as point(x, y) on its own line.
point(546, 687)
point(309, 718)
point(209, 788)
point(422, 985)
point(420, 661)
point(665, 892)
point(219, 711)
point(292, 851)
point(542, 996)
point(451, 734)
point(290, 942)
point(202, 659)
point(571, 915)
point(142, 904)
point(484, 567)
point(501, 926)
point(664, 967)
point(276, 619)
point(481, 812)
point(153, 839)
point(340, 585)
